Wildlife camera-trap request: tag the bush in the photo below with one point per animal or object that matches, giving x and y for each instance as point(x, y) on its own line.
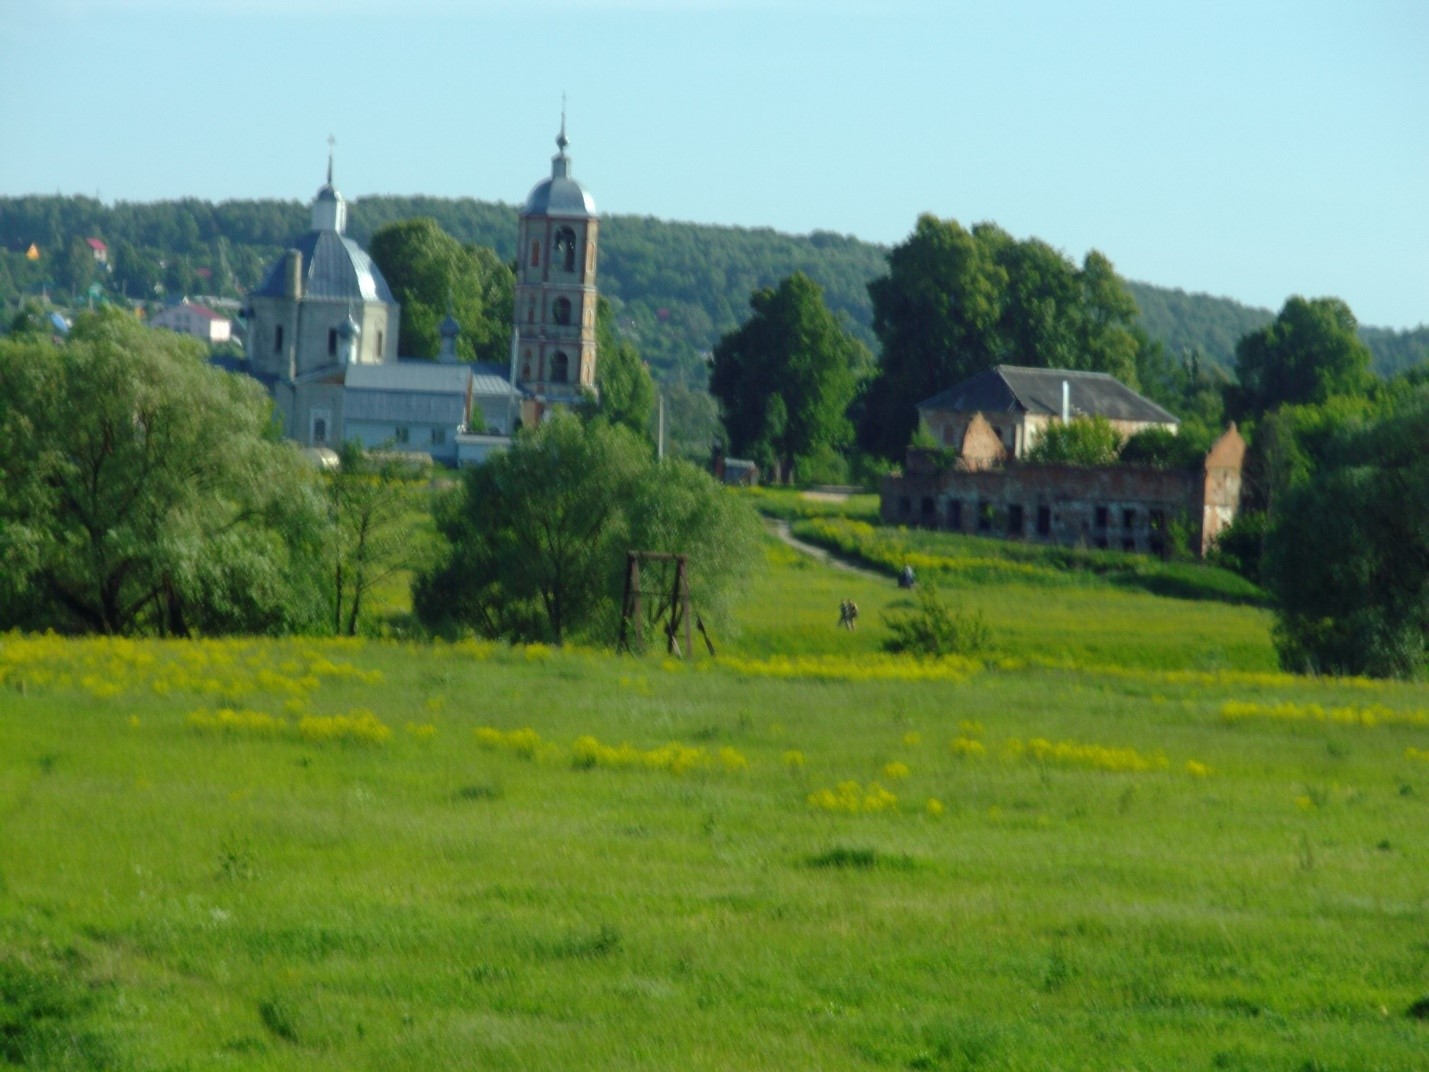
point(1081, 441)
point(932, 627)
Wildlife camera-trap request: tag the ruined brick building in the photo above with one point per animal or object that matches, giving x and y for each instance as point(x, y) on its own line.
point(988, 489)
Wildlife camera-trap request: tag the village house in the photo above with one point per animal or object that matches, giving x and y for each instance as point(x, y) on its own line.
point(986, 487)
point(190, 318)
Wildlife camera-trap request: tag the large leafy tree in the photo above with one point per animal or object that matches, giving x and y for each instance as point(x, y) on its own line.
point(627, 392)
point(537, 537)
point(785, 379)
point(956, 302)
point(431, 273)
point(370, 507)
point(1347, 552)
point(1309, 354)
point(142, 490)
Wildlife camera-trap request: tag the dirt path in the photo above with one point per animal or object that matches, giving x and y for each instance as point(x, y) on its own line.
point(780, 528)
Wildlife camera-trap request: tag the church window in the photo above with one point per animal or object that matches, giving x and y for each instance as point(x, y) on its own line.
point(561, 310)
point(403, 435)
point(560, 365)
point(332, 342)
point(319, 431)
point(439, 436)
point(535, 253)
point(379, 345)
point(531, 311)
point(566, 248)
point(278, 339)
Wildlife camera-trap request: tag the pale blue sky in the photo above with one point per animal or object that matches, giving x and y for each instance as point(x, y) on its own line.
point(1253, 149)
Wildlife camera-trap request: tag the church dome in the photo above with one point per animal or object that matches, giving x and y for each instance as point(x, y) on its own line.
point(560, 195)
point(334, 268)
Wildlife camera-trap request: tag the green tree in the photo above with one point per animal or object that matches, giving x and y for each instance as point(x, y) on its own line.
point(785, 379)
point(1080, 441)
point(537, 537)
point(1347, 552)
point(431, 273)
point(627, 393)
point(368, 500)
point(1308, 355)
point(144, 491)
point(954, 303)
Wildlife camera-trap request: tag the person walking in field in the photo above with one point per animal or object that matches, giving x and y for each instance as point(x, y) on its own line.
point(848, 614)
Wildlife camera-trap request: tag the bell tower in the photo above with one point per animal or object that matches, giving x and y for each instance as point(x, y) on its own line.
point(554, 338)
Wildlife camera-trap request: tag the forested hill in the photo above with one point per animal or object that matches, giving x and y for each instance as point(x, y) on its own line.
point(677, 286)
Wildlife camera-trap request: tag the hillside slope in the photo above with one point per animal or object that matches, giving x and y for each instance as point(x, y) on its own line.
point(678, 286)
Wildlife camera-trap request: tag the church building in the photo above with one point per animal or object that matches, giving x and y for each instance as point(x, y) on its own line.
point(322, 333)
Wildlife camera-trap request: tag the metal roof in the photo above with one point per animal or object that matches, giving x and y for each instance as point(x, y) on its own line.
point(334, 267)
point(419, 376)
point(403, 407)
point(560, 195)
point(1006, 388)
point(489, 380)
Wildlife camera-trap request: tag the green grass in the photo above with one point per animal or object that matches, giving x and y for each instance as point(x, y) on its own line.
point(172, 898)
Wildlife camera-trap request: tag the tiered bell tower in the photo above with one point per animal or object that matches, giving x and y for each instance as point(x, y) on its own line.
point(554, 339)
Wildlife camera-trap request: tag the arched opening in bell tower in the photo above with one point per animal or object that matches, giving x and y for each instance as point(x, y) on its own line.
point(566, 249)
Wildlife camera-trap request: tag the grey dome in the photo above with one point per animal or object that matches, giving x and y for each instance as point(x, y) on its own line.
point(350, 328)
point(559, 197)
point(334, 268)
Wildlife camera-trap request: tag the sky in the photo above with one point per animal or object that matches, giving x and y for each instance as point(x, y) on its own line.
point(1254, 149)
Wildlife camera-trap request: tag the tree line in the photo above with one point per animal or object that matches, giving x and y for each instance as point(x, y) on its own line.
point(676, 288)
point(144, 491)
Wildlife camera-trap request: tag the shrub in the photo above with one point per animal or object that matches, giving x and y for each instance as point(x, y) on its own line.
point(932, 627)
point(1081, 441)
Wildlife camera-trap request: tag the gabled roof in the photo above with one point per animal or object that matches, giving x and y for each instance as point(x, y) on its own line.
point(97, 245)
point(1010, 388)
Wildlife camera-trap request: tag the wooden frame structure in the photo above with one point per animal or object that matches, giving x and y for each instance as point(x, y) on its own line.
point(675, 608)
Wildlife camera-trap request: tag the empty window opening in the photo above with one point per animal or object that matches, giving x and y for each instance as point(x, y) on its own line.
point(984, 517)
point(332, 342)
point(1158, 520)
point(1157, 546)
point(905, 505)
point(566, 249)
point(1014, 519)
point(955, 514)
point(1044, 520)
point(929, 507)
point(560, 366)
point(403, 435)
point(439, 436)
point(1102, 519)
point(561, 310)
point(1128, 519)
point(278, 339)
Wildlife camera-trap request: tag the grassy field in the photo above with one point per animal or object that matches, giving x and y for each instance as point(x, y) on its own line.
point(1123, 843)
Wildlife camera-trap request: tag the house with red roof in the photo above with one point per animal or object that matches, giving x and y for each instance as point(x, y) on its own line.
point(189, 318)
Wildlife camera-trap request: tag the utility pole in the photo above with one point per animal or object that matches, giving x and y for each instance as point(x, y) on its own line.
point(660, 433)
